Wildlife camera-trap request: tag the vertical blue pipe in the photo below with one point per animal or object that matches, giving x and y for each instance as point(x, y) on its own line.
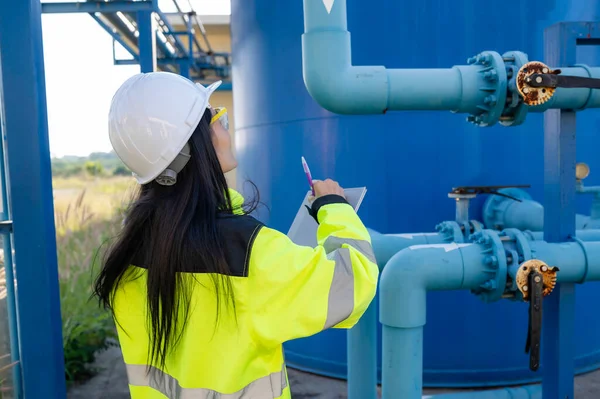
point(558, 346)
point(13, 322)
point(405, 352)
point(146, 41)
point(30, 191)
point(362, 356)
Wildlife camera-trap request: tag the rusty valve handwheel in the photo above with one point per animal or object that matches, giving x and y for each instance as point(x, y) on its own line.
point(548, 273)
point(534, 95)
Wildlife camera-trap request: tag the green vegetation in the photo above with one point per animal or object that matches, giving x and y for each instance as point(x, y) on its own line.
point(82, 229)
point(97, 164)
point(88, 213)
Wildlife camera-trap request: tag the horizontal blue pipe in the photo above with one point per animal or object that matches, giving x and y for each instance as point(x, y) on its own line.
point(502, 213)
point(342, 88)
point(583, 235)
point(578, 261)
point(99, 6)
point(576, 99)
point(525, 392)
point(387, 245)
point(414, 271)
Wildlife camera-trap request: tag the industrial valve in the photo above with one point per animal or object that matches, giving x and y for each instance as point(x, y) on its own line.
point(536, 82)
point(535, 280)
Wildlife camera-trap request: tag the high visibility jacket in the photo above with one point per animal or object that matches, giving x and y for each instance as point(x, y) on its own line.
point(282, 291)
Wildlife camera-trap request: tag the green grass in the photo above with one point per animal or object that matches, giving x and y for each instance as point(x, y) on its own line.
point(87, 214)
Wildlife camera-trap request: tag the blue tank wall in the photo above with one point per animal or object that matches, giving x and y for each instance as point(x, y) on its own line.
point(408, 161)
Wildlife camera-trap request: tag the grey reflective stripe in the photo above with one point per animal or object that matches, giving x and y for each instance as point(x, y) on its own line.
point(267, 387)
point(364, 247)
point(341, 294)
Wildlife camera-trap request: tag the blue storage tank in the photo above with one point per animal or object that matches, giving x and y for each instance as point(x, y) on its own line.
point(409, 161)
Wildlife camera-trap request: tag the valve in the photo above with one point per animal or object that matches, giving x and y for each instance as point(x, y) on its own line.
point(536, 82)
point(535, 279)
point(493, 190)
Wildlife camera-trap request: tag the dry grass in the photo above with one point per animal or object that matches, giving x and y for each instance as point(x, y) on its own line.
point(87, 214)
point(94, 199)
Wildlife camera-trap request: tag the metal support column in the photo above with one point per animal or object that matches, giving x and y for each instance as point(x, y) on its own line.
point(11, 296)
point(30, 192)
point(147, 41)
point(558, 356)
point(184, 67)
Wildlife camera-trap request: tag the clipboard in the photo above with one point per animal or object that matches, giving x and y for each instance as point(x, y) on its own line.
point(303, 230)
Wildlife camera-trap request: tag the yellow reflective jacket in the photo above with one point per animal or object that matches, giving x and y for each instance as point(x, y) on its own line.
point(282, 291)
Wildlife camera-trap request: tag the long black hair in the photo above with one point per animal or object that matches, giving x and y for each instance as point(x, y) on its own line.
point(170, 229)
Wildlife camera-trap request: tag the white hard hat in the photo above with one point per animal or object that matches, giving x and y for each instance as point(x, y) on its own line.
point(152, 116)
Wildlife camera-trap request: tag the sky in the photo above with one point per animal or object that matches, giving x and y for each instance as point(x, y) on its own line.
point(81, 78)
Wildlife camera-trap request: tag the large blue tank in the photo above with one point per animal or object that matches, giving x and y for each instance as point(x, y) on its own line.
point(409, 161)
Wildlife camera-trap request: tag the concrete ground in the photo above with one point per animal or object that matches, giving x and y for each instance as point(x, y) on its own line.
point(111, 383)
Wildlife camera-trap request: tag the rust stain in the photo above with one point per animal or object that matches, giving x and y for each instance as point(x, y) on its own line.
point(548, 275)
point(534, 95)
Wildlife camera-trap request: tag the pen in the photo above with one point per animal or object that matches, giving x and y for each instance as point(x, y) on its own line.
point(308, 175)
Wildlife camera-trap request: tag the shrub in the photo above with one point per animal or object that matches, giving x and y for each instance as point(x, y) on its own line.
point(87, 328)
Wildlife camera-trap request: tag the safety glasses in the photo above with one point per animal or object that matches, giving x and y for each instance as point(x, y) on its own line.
point(221, 116)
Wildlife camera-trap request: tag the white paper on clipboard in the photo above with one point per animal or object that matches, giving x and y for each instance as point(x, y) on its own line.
point(303, 230)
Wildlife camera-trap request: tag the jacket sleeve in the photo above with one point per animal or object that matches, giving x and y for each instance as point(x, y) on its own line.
point(298, 291)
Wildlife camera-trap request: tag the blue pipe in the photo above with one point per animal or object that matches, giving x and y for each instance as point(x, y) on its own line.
point(503, 213)
point(525, 392)
point(361, 347)
point(362, 338)
point(412, 272)
point(387, 245)
point(342, 88)
point(404, 283)
point(583, 235)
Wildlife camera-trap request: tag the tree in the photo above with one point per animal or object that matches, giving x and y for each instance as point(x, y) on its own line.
point(121, 170)
point(93, 168)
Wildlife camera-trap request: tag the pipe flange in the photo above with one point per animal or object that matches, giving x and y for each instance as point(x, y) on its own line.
point(476, 226)
point(493, 84)
point(515, 111)
point(495, 264)
point(517, 249)
point(450, 232)
point(494, 206)
point(521, 242)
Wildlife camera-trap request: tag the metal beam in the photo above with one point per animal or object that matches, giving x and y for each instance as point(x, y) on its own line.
point(115, 35)
point(147, 41)
point(30, 195)
point(99, 6)
point(558, 356)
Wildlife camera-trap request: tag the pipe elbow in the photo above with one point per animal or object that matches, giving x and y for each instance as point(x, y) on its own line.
point(415, 270)
point(334, 83)
point(402, 290)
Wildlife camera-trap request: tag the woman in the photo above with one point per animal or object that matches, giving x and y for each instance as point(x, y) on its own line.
point(203, 294)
